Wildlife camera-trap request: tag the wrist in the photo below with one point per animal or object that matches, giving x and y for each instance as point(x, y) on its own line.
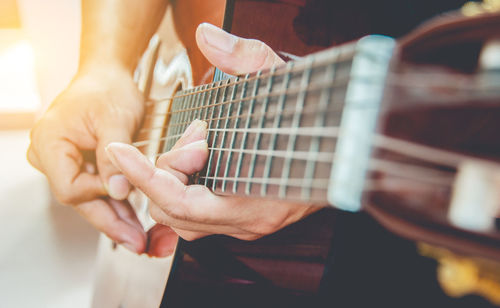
point(102, 67)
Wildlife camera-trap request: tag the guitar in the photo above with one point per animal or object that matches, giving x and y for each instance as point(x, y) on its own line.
point(363, 126)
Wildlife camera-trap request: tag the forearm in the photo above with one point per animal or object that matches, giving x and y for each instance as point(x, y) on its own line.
point(116, 32)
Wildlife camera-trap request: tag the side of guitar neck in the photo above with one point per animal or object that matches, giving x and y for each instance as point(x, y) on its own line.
point(275, 133)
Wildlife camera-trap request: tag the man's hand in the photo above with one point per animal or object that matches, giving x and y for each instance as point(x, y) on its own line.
point(97, 108)
point(193, 211)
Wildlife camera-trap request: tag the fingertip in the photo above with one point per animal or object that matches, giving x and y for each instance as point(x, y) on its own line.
point(117, 152)
point(196, 131)
point(111, 150)
point(162, 241)
point(118, 187)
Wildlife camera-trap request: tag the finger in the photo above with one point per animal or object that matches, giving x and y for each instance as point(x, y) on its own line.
point(187, 223)
point(113, 220)
point(190, 235)
point(140, 171)
point(116, 184)
point(187, 160)
point(195, 207)
point(162, 241)
point(126, 213)
point(169, 193)
point(232, 54)
point(189, 154)
point(63, 167)
point(33, 158)
point(197, 130)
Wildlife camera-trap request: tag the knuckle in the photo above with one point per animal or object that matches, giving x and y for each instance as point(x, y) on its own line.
point(65, 197)
point(189, 236)
point(32, 157)
point(157, 214)
point(174, 212)
point(248, 237)
point(163, 161)
point(268, 225)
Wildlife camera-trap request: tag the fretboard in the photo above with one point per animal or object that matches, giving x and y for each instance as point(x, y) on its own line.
point(273, 133)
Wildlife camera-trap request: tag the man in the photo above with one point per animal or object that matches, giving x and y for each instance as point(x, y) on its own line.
point(102, 106)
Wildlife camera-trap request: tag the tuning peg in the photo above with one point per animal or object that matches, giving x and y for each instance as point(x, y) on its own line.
point(489, 59)
point(475, 199)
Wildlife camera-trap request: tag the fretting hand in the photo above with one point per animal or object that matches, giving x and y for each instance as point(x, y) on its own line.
point(193, 211)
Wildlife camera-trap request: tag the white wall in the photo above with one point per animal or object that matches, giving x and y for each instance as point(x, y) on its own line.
point(53, 27)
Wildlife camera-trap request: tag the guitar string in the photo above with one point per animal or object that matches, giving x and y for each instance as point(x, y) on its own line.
point(287, 92)
point(376, 164)
point(254, 97)
point(248, 98)
point(329, 131)
point(370, 185)
point(415, 80)
point(424, 175)
point(284, 112)
point(278, 71)
point(421, 100)
point(414, 150)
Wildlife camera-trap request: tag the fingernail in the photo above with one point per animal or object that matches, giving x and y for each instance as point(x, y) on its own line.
point(194, 127)
point(201, 144)
point(111, 155)
point(89, 168)
point(118, 187)
point(129, 246)
point(218, 38)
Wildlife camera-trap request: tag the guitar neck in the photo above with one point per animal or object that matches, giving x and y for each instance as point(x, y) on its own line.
point(275, 133)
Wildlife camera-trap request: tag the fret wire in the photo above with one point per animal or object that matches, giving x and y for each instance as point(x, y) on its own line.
point(271, 73)
point(188, 115)
point(301, 98)
point(167, 131)
point(195, 114)
point(206, 170)
point(234, 133)
point(202, 115)
point(204, 112)
point(171, 130)
point(265, 102)
point(182, 117)
point(216, 134)
point(224, 134)
point(199, 104)
point(178, 129)
point(245, 131)
point(180, 104)
point(276, 124)
point(319, 122)
point(330, 131)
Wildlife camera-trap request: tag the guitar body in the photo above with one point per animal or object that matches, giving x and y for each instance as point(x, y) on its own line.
point(311, 263)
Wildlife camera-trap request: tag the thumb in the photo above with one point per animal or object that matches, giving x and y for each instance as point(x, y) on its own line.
point(115, 183)
point(232, 54)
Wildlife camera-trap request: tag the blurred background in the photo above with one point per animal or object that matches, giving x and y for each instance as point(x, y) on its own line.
point(46, 250)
